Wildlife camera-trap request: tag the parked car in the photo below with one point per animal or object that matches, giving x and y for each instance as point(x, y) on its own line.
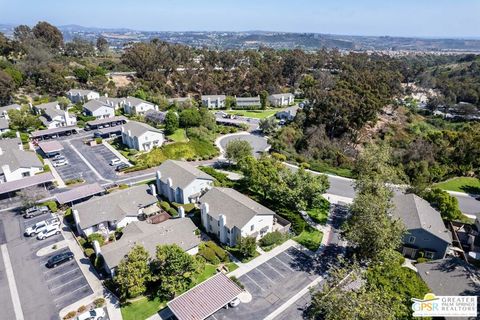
point(58, 157)
point(95, 314)
point(121, 166)
point(115, 162)
point(60, 162)
point(58, 259)
point(234, 303)
point(48, 232)
point(35, 211)
point(40, 226)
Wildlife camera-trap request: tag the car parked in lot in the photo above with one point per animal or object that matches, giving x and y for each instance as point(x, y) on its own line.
point(41, 225)
point(48, 232)
point(58, 259)
point(95, 314)
point(121, 166)
point(115, 162)
point(35, 211)
point(60, 162)
point(58, 157)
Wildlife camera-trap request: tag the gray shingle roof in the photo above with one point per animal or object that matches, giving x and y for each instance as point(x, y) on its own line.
point(94, 105)
point(114, 206)
point(237, 208)
point(180, 231)
point(181, 173)
point(280, 95)
point(11, 107)
point(16, 158)
point(139, 128)
point(48, 105)
point(450, 277)
point(214, 97)
point(417, 213)
point(3, 123)
point(81, 92)
point(135, 101)
point(78, 193)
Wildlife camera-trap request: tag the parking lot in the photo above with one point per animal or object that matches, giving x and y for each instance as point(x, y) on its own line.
point(42, 292)
point(271, 284)
point(99, 157)
point(76, 167)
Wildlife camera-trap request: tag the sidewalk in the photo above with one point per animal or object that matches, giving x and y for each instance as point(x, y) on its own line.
point(54, 172)
point(115, 152)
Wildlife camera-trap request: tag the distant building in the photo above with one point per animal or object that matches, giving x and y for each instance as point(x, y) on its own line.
point(214, 101)
point(80, 95)
point(181, 182)
point(52, 116)
point(115, 103)
point(141, 136)
point(98, 109)
point(281, 99)
point(248, 102)
point(15, 162)
point(136, 106)
point(426, 232)
point(4, 110)
point(287, 114)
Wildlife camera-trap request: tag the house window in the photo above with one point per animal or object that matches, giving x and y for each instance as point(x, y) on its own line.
point(26, 174)
point(428, 254)
point(411, 239)
point(252, 227)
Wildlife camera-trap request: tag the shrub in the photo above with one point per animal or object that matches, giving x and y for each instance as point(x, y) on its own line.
point(172, 212)
point(279, 156)
point(272, 238)
point(82, 242)
point(89, 252)
point(297, 222)
point(219, 252)
point(70, 315)
point(98, 140)
point(165, 205)
point(209, 255)
point(98, 237)
point(82, 309)
point(422, 260)
point(99, 302)
point(52, 205)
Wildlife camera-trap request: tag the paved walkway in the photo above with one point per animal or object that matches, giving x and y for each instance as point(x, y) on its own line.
point(12, 285)
point(115, 152)
point(58, 179)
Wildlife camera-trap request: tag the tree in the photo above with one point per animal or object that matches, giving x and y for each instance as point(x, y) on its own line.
point(7, 87)
point(190, 118)
point(23, 120)
point(174, 269)
point(268, 125)
point(81, 74)
point(230, 102)
point(102, 45)
point(22, 33)
point(133, 273)
point(30, 196)
point(171, 122)
point(238, 149)
point(79, 47)
point(48, 34)
point(247, 246)
point(264, 99)
point(444, 202)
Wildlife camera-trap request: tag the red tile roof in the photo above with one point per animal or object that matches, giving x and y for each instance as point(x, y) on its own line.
point(205, 299)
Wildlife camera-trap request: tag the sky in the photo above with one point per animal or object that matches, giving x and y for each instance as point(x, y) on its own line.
point(423, 18)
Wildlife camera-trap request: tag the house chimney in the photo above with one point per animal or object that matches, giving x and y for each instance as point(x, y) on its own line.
point(96, 248)
point(129, 133)
point(153, 190)
point(76, 218)
point(1, 151)
point(18, 134)
point(223, 232)
point(30, 105)
point(204, 212)
point(181, 212)
point(123, 129)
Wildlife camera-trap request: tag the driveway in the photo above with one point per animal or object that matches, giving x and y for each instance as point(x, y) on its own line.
point(42, 292)
point(99, 157)
point(258, 142)
point(272, 283)
point(76, 167)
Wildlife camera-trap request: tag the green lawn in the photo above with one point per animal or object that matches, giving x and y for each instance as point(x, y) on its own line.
point(310, 238)
point(326, 168)
point(258, 114)
point(209, 271)
point(142, 309)
point(461, 184)
point(178, 136)
point(319, 215)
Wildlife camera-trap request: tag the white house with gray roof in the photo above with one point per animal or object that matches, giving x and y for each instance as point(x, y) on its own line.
point(81, 95)
point(98, 109)
point(15, 162)
point(181, 182)
point(52, 116)
point(179, 231)
point(281, 99)
point(230, 215)
point(115, 210)
point(141, 136)
point(115, 103)
point(247, 102)
point(426, 232)
point(136, 106)
point(214, 101)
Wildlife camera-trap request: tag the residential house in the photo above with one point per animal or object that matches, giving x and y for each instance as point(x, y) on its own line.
point(248, 102)
point(4, 110)
point(179, 231)
point(4, 125)
point(115, 210)
point(80, 95)
point(141, 136)
point(426, 232)
point(231, 215)
point(214, 101)
point(136, 106)
point(115, 103)
point(450, 277)
point(181, 182)
point(98, 109)
point(287, 114)
point(15, 162)
point(281, 99)
point(52, 116)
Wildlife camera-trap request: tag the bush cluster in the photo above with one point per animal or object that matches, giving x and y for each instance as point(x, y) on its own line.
point(213, 253)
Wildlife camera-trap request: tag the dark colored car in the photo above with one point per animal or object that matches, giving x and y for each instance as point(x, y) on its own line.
point(35, 211)
point(121, 167)
point(59, 259)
